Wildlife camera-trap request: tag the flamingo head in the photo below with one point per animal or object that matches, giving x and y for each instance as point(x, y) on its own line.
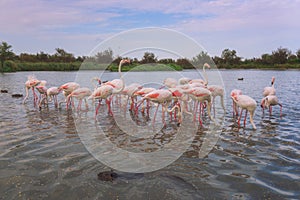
point(273, 80)
point(42, 83)
point(234, 96)
point(124, 61)
point(263, 103)
point(206, 65)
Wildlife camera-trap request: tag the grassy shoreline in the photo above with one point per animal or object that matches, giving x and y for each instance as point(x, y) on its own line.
point(11, 66)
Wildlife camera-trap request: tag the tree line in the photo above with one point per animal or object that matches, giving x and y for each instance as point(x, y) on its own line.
point(61, 60)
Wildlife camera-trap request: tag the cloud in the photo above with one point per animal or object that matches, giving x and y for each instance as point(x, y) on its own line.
point(93, 20)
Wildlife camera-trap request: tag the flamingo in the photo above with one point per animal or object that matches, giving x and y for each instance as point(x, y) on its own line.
point(161, 97)
point(42, 89)
point(142, 92)
point(52, 93)
point(184, 81)
point(268, 102)
point(217, 90)
point(270, 90)
point(170, 82)
point(200, 95)
point(118, 84)
point(31, 83)
point(80, 93)
point(102, 92)
point(203, 82)
point(129, 91)
point(67, 89)
point(245, 103)
point(234, 106)
point(179, 97)
point(107, 89)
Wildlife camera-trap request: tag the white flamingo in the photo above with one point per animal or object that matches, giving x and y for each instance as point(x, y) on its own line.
point(52, 93)
point(80, 94)
point(268, 102)
point(270, 90)
point(235, 109)
point(200, 96)
point(31, 83)
point(245, 103)
point(67, 89)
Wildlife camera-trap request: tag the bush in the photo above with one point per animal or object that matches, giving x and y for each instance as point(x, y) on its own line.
point(10, 66)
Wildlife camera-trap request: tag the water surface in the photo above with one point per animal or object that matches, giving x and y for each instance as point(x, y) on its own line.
point(42, 156)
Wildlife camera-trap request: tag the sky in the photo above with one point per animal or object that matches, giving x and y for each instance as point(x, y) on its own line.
point(251, 27)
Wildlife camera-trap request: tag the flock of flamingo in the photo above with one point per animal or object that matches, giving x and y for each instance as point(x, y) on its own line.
point(190, 96)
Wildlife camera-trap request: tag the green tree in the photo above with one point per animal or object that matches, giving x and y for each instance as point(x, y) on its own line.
point(5, 53)
point(298, 54)
point(149, 58)
point(230, 57)
point(280, 56)
point(105, 57)
point(184, 63)
point(200, 59)
point(267, 59)
point(62, 56)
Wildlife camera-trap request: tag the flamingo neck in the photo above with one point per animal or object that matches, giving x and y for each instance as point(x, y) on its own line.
point(204, 73)
point(121, 78)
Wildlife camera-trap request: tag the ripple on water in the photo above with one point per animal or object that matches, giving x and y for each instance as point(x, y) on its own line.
point(42, 157)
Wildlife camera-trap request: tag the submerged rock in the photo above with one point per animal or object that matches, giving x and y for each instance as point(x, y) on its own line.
point(4, 91)
point(107, 176)
point(17, 95)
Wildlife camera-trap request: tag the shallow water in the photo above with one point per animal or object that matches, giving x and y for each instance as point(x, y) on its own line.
point(42, 155)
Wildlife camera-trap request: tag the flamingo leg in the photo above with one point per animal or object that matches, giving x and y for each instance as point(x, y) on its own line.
point(280, 109)
point(155, 114)
point(55, 101)
point(208, 111)
point(245, 118)
point(108, 102)
point(222, 102)
point(86, 104)
point(35, 97)
point(270, 110)
point(251, 119)
point(195, 109)
point(163, 114)
point(27, 94)
point(240, 117)
point(79, 104)
point(97, 109)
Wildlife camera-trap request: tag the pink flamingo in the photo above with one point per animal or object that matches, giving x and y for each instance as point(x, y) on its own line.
point(42, 89)
point(32, 82)
point(107, 89)
point(217, 90)
point(102, 92)
point(80, 94)
point(67, 89)
point(129, 92)
point(245, 103)
point(170, 82)
point(270, 90)
point(52, 93)
point(235, 92)
point(142, 92)
point(118, 84)
point(268, 102)
point(161, 97)
point(200, 95)
point(184, 81)
point(203, 82)
point(179, 97)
